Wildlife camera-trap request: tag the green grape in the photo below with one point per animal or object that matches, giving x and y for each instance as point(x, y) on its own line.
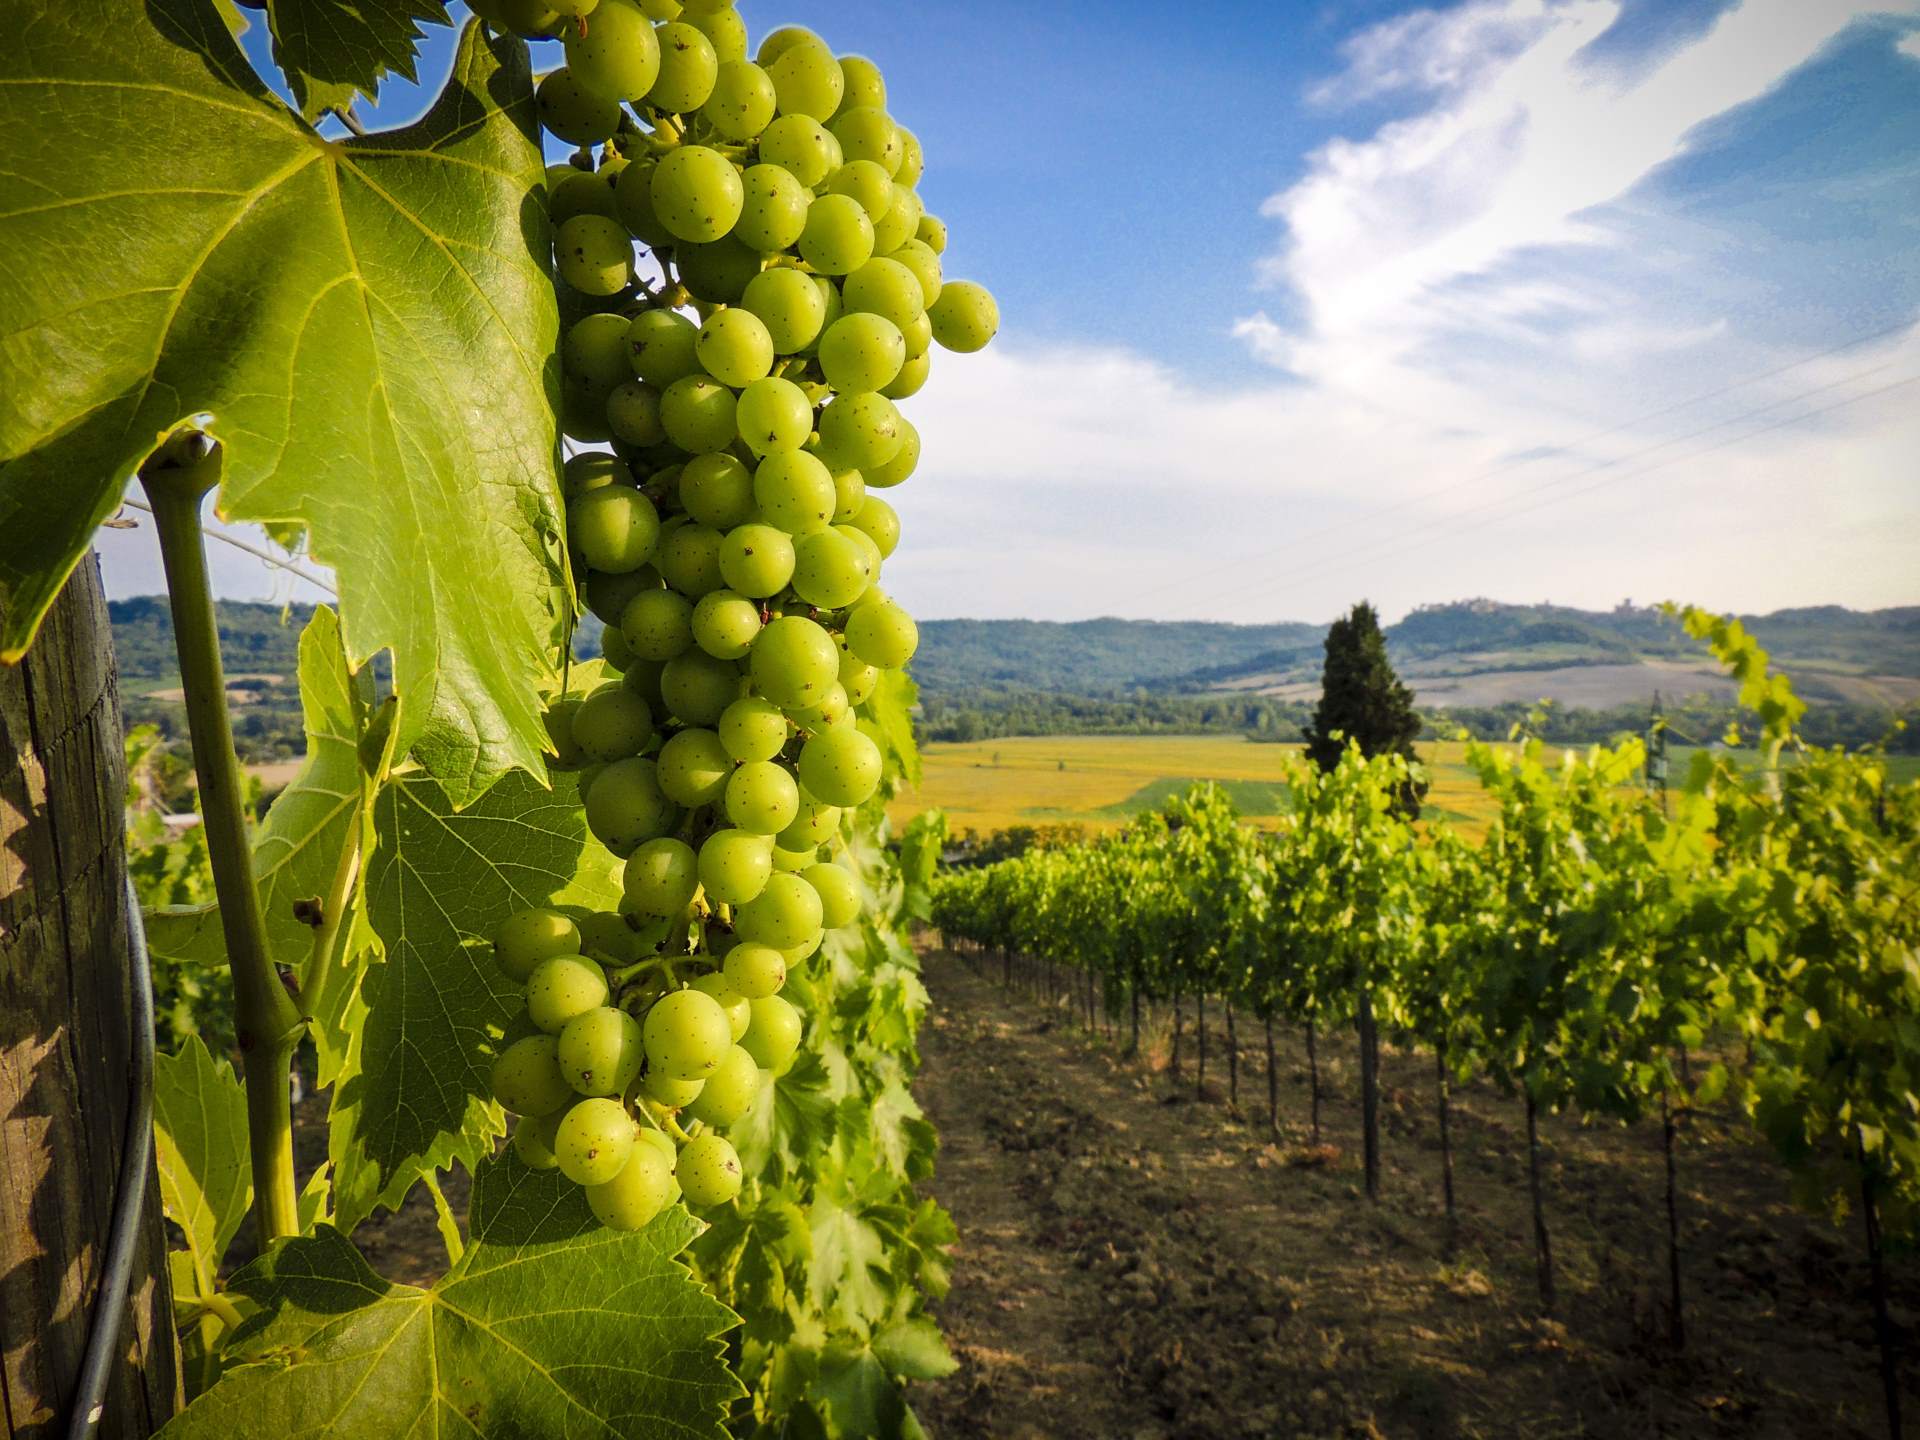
point(661, 875)
point(694, 768)
point(660, 347)
point(832, 711)
point(862, 351)
point(615, 528)
point(572, 9)
point(885, 287)
point(696, 193)
point(774, 1035)
point(709, 1171)
point(839, 893)
point(633, 413)
point(616, 55)
point(595, 1139)
point(932, 233)
point(829, 293)
point(590, 470)
point(690, 558)
point(581, 192)
point(558, 173)
point(687, 1035)
point(742, 102)
point(572, 111)
point(861, 84)
point(719, 272)
point(583, 413)
point(722, 25)
point(897, 223)
point(698, 688)
point(658, 624)
point(663, 1089)
point(729, 1092)
point(526, 938)
point(773, 209)
point(660, 9)
point(558, 720)
point(606, 935)
point(594, 353)
point(600, 1052)
point(777, 42)
point(698, 412)
point(755, 971)
point(626, 807)
point(609, 595)
point(641, 1190)
point(883, 634)
point(857, 677)
point(563, 987)
point(828, 570)
point(794, 491)
point(792, 862)
point(725, 623)
point(866, 132)
point(785, 914)
point(806, 78)
point(734, 866)
point(965, 316)
point(863, 431)
point(717, 489)
point(534, 19)
point(865, 183)
point(762, 797)
point(913, 159)
point(790, 305)
point(643, 679)
point(793, 661)
point(841, 766)
point(612, 723)
point(800, 146)
point(814, 826)
point(836, 157)
point(735, 348)
point(739, 1013)
point(633, 203)
point(838, 236)
point(753, 728)
point(912, 376)
point(773, 414)
point(662, 1144)
point(756, 560)
point(688, 69)
point(594, 254)
point(896, 470)
point(526, 1078)
point(849, 494)
point(880, 523)
point(533, 1139)
point(918, 256)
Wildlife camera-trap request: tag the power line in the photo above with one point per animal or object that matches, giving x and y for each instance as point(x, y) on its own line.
point(1293, 581)
point(253, 550)
point(1293, 542)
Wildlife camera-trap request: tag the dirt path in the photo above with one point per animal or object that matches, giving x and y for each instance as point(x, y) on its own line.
point(1132, 1264)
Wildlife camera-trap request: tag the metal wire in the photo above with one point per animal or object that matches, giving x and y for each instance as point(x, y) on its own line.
point(136, 1156)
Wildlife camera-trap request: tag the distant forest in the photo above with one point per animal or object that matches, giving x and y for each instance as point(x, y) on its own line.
point(988, 679)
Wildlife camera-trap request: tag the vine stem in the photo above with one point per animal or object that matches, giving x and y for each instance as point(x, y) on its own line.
point(268, 1023)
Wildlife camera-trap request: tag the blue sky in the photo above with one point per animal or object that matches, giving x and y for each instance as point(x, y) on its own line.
point(1539, 299)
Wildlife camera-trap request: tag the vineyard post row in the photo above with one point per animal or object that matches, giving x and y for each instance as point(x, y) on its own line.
point(1593, 951)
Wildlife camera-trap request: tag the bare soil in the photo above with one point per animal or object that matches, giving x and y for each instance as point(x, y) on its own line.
point(1137, 1263)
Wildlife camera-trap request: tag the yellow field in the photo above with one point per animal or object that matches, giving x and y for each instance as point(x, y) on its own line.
point(1103, 780)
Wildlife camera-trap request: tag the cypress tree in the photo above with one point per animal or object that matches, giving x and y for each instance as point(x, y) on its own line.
point(1361, 699)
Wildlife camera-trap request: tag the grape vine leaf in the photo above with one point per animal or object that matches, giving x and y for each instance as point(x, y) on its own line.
point(332, 51)
point(200, 1145)
point(366, 326)
point(548, 1325)
point(298, 845)
point(414, 1093)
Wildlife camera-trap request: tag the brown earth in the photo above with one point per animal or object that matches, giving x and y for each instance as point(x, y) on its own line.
point(1135, 1264)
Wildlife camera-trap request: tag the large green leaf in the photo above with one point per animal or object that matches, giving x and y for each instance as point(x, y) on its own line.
point(438, 883)
point(307, 827)
point(200, 1141)
point(548, 1326)
point(367, 328)
point(332, 51)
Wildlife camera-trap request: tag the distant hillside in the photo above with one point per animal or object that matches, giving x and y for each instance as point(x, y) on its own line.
point(1091, 657)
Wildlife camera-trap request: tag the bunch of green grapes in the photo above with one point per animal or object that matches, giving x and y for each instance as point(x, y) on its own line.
point(730, 536)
